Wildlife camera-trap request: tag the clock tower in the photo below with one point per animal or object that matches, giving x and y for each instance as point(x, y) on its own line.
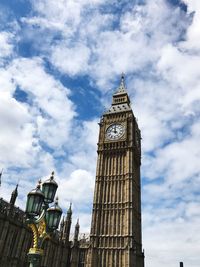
point(115, 238)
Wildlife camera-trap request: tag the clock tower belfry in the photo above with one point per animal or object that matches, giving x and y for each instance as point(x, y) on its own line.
point(115, 238)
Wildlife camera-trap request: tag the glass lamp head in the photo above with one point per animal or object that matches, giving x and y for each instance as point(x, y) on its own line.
point(53, 216)
point(49, 188)
point(35, 199)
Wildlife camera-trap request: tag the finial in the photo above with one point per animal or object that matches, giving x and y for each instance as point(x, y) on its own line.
point(122, 80)
point(39, 184)
point(52, 175)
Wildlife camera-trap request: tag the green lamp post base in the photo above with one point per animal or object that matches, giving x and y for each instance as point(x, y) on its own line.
point(35, 257)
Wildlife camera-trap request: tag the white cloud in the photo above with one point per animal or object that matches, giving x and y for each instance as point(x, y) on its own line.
point(46, 117)
point(193, 32)
point(65, 16)
point(16, 133)
point(177, 239)
point(6, 46)
point(73, 60)
point(52, 110)
point(89, 42)
point(78, 188)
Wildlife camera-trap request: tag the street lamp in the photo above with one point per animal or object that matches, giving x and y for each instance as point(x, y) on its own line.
point(41, 218)
point(53, 216)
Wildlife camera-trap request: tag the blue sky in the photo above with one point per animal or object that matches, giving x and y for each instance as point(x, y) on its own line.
point(60, 62)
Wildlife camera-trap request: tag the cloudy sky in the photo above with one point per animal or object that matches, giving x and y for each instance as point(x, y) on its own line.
point(60, 62)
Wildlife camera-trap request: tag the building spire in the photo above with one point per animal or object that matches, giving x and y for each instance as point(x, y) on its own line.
point(120, 99)
point(69, 212)
point(122, 88)
point(76, 233)
point(67, 225)
point(14, 195)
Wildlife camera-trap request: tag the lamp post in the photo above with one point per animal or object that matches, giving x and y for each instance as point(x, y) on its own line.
point(41, 218)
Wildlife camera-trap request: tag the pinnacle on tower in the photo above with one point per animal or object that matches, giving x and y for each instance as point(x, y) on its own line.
point(69, 212)
point(67, 225)
point(14, 195)
point(76, 233)
point(52, 175)
point(77, 224)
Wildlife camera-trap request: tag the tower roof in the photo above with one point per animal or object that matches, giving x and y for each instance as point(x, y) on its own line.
point(122, 88)
point(121, 101)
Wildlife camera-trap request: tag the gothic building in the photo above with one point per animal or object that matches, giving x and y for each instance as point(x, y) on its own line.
point(16, 239)
point(115, 237)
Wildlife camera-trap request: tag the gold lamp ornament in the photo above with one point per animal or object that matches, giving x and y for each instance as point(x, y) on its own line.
point(41, 218)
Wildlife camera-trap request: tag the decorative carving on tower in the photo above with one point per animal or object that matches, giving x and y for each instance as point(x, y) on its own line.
point(115, 238)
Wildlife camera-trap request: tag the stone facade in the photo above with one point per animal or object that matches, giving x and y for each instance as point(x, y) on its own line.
point(16, 238)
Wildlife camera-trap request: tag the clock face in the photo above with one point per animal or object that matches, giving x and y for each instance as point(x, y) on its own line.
point(115, 131)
